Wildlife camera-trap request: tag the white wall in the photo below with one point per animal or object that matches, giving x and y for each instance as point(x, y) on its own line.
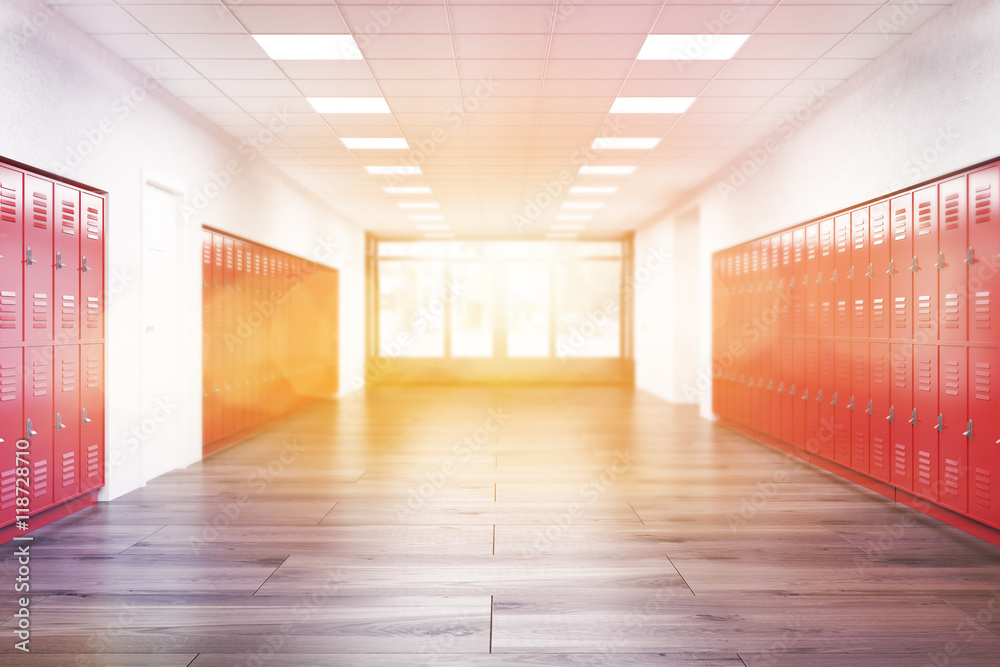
point(925, 108)
point(72, 107)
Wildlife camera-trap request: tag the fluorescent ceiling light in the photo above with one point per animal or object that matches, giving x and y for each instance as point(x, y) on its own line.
point(407, 190)
point(428, 218)
point(567, 228)
point(651, 104)
point(309, 47)
point(691, 47)
point(625, 143)
point(595, 190)
point(433, 228)
point(402, 169)
point(606, 170)
point(349, 104)
point(374, 142)
point(573, 216)
point(420, 204)
point(582, 204)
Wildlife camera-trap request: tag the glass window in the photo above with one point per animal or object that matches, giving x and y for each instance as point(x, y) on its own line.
point(527, 310)
point(472, 310)
point(412, 301)
point(588, 309)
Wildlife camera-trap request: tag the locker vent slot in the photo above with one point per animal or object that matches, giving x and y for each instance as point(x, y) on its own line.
point(9, 309)
point(924, 312)
point(983, 489)
point(899, 224)
point(826, 316)
point(952, 311)
point(982, 310)
point(93, 224)
point(878, 230)
point(878, 313)
point(925, 222)
point(924, 473)
point(40, 311)
point(68, 468)
point(93, 461)
point(811, 322)
point(984, 203)
point(952, 378)
point(93, 312)
point(878, 453)
point(8, 489)
point(925, 376)
point(68, 311)
point(843, 239)
point(8, 204)
point(843, 448)
point(984, 381)
point(878, 369)
point(826, 242)
point(951, 477)
point(93, 373)
point(842, 322)
point(68, 375)
point(900, 459)
point(951, 211)
point(859, 234)
point(900, 374)
point(859, 446)
point(859, 314)
point(40, 378)
point(69, 218)
point(40, 478)
point(40, 211)
point(8, 383)
point(902, 318)
point(755, 262)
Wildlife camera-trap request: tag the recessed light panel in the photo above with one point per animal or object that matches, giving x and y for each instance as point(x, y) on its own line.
point(651, 104)
point(625, 143)
point(360, 143)
point(309, 47)
point(691, 47)
point(349, 104)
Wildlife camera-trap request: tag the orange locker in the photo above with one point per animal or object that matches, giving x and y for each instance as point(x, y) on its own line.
point(825, 281)
point(207, 353)
point(39, 425)
point(928, 426)
point(826, 433)
point(984, 439)
point(984, 242)
point(843, 276)
point(860, 407)
point(880, 411)
point(92, 267)
point(953, 441)
point(902, 415)
point(861, 273)
point(11, 243)
point(925, 278)
point(903, 266)
point(811, 279)
point(843, 403)
point(881, 269)
point(955, 256)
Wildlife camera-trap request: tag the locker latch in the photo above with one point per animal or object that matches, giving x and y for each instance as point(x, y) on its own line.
point(834, 402)
point(915, 266)
point(819, 396)
point(791, 392)
point(781, 387)
point(85, 420)
point(805, 394)
point(892, 268)
point(968, 431)
point(805, 280)
point(819, 278)
point(760, 384)
point(871, 271)
point(770, 385)
point(970, 259)
point(913, 419)
point(59, 264)
point(83, 265)
point(940, 262)
point(770, 285)
point(870, 409)
point(940, 424)
point(850, 406)
point(851, 276)
point(28, 259)
point(892, 414)
point(31, 431)
point(781, 284)
point(834, 278)
point(59, 425)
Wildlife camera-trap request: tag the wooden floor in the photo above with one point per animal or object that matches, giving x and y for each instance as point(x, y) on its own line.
point(500, 526)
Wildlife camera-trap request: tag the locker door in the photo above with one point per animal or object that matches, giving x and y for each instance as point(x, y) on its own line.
point(903, 418)
point(826, 433)
point(66, 439)
point(925, 278)
point(984, 239)
point(842, 276)
point(786, 286)
point(92, 416)
point(66, 283)
point(258, 336)
point(812, 278)
point(718, 328)
point(880, 400)
point(753, 369)
point(842, 402)
point(218, 335)
point(799, 282)
point(229, 329)
point(236, 339)
point(762, 383)
point(953, 442)
point(39, 421)
point(742, 405)
point(250, 322)
point(824, 280)
point(91, 267)
point(11, 243)
point(11, 429)
point(860, 406)
point(881, 270)
point(798, 393)
point(206, 337)
point(904, 266)
point(786, 390)
point(809, 397)
point(925, 431)
point(38, 259)
point(775, 389)
point(954, 258)
point(984, 444)
point(861, 273)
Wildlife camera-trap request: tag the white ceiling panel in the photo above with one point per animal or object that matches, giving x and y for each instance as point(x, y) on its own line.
point(281, 20)
point(102, 19)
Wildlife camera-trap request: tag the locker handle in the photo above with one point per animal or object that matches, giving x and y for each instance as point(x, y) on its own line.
point(913, 419)
point(968, 431)
point(834, 402)
point(31, 431)
point(834, 278)
point(892, 268)
point(85, 419)
point(819, 278)
point(851, 276)
point(770, 385)
point(805, 394)
point(940, 262)
point(850, 406)
point(805, 280)
point(28, 259)
point(892, 414)
point(59, 425)
point(791, 392)
point(915, 266)
point(760, 385)
point(870, 409)
point(781, 387)
point(871, 271)
point(970, 259)
point(59, 264)
point(819, 396)
point(83, 265)
point(940, 424)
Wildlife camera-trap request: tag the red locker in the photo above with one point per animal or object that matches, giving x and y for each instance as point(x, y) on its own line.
point(38, 259)
point(881, 270)
point(811, 440)
point(860, 407)
point(753, 344)
point(861, 273)
point(228, 328)
point(775, 389)
point(797, 393)
point(259, 332)
point(250, 324)
point(955, 257)
point(927, 428)
point(984, 240)
point(91, 267)
point(237, 340)
point(39, 422)
point(218, 335)
point(786, 389)
point(66, 428)
point(824, 398)
point(206, 337)
point(765, 395)
point(902, 416)
point(842, 402)
point(984, 440)
point(812, 279)
point(66, 281)
point(842, 275)
point(827, 287)
point(799, 282)
point(880, 412)
point(11, 243)
point(953, 441)
point(92, 416)
point(786, 286)
point(903, 267)
point(11, 429)
point(925, 278)
point(742, 406)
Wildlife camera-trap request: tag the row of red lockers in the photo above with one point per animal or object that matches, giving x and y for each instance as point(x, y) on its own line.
point(269, 333)
point(51, 349)
point(921, 265)
point(913, 399)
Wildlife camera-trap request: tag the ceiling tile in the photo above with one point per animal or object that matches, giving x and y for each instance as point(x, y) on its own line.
point(663, 69)
point(764, 69)
point(728, 104)
point(185, 19)
point(498, 19)
point(611, 19)
point(281, 20)
point(237, 69)
point(396, 18)
point(385, 47)
point(663, 87)
point(500, 47)
point(342, 88)
point(166, 68)
point(500, 69)
point(214, 46)
point(832, 18)
point(581, 87)
point(901, 17)
point(101, 19)
point(190, 87)
point(413, 69)
point(744, 87)
point(864, 46)
point(219, 104)
point(609, 47)
point(834, 69)
point(710, 19)
point(788, 46)
point(131, 47)
point(257, 87)
point(323, 69)
point(587, 69)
